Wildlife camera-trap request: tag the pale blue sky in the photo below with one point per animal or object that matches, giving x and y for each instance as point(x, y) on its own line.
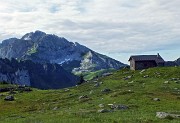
point(117, 28)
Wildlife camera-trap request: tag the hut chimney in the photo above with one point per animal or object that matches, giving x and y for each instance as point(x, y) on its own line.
point(158, 55)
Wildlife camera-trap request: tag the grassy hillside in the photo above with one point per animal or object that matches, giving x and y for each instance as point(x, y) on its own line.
point(91, 75)
point(134, 89)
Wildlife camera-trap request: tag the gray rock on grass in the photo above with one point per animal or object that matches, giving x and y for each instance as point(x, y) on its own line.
point(101, 105)
point(97, 85)
point(156, 99)
point(106, 90)
point(166, 82)
point(119, 107)
point(103, 111)
point(164, 115)
point(83, 97)
point(9, 98)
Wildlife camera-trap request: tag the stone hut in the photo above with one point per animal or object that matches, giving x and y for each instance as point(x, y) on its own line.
point(139, 62)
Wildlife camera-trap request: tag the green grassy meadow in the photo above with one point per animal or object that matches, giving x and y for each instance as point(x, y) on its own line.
point(131, 88)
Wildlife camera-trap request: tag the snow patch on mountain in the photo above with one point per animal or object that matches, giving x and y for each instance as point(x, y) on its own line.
point(28, 37)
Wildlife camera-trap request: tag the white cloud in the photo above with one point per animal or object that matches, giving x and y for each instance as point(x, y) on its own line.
point(108, 26)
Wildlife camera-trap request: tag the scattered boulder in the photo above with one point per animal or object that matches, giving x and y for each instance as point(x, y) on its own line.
point(97, 85)
point(157, 73)
point(165, 115)
point(100, 83)
point(103, 111)
point(55, 108)
point(9, 98)
point(95, 81)
point(106, 90)
point(83, 97)
point(166, 82)
point(128, 77)
point(156, 99)
point(27, 89)
point(1, 95)
point(174, 79)
point(110, 104)
point(12, 92)
point(67, 89)
point(161, 114)
point(91, 92)
point(101, 105)
point(22, 89)
point(21, 86)
point(131, 82)
point(175, 88)
point(130, 91)
point(142, 71)
point(177, 82)
point(146, 76)
point(5, 89)
point(119, 107)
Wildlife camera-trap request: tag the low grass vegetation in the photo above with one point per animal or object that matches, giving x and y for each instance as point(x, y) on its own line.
point(135, 89)
point(93, 75)
point(32, 50)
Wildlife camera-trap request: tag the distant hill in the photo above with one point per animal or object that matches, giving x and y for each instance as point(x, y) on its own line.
point(43, 76)
point(173, 63)
point(178, 61)
point(41, 47)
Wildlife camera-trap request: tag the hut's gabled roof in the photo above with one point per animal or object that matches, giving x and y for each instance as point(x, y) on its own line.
point(156, 58)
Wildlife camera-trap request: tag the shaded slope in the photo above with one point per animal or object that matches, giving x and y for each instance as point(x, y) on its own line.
point(44, 76)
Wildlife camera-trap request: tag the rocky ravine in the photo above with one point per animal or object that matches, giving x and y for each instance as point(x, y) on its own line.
point(41, 47)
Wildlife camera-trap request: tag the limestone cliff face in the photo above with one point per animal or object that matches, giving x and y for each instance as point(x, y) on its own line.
point(20, 77)
point(43, 76)
point(41, 47)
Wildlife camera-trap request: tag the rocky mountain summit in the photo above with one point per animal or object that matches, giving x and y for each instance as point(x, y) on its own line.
point(173, 63)
point(43, 76)
point(46, 48)
point(178, 61)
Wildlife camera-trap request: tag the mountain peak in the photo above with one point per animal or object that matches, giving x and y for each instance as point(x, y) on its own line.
point(40, 33)
point(42, 47)
point(33, 35)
